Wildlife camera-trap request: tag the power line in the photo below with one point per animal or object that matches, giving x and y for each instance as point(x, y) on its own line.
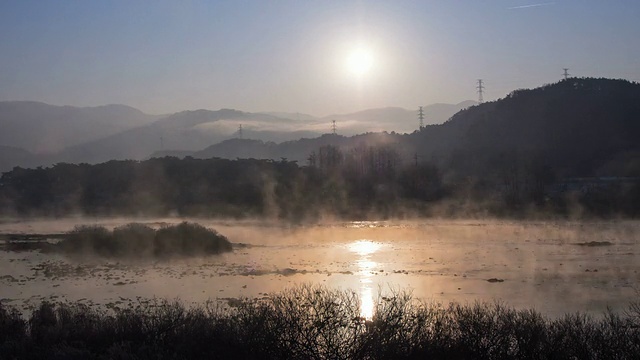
point(480, 88)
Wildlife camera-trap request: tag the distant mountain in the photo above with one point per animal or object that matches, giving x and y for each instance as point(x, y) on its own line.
point(292, 116)
point(371, 124)
point(171, 153)
point(43, 128)
point(13, 156)
point(239, 148)
point(96, 134)
point(577, 127)
point(297, 150)
point(439, 113)
point(394, 118)
point(184, 132)
point(193, 131)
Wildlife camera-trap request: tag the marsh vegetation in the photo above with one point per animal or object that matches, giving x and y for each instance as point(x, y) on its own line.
point(131, 241)
point(312, 322)
point(136, 240)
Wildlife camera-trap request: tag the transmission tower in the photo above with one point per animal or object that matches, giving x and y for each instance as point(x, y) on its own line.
point(566, 73)
point(334, 128)
point(240, 131)
point(421, 117)
point(480, 88)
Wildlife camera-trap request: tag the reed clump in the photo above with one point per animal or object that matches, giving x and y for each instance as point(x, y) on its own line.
point(137, 240)
point(313, 322)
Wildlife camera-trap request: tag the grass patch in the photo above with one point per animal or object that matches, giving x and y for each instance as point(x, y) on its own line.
point(312, 322)
point(137, 240)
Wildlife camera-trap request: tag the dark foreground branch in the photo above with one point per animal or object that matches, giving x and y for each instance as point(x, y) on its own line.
point(311, 322)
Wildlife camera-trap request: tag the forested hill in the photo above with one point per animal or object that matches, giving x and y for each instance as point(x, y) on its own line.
point(574, 128)
point(297, 150)
point(578, 127)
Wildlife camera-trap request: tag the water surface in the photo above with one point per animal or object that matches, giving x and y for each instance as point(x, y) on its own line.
point(554, 267)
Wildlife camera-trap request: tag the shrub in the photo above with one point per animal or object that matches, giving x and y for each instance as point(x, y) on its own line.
point(189, 239)
point(313, 322)
point(13, 330)
point(136, 240)
point(88, 239)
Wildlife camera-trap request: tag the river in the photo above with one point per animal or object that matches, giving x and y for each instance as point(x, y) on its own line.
point(552, 267)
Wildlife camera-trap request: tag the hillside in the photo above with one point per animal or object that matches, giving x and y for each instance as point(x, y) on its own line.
point(394, 118)
point(363, 128)
point(183, 133)
point(578, 127)
point(297, 150)
point(91, 135)
point(10, 156)
point(44, 128)
point(206, 133)
point(187, 130)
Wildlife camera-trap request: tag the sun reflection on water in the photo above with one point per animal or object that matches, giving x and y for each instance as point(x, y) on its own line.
point(366, 303)
point(365, 249)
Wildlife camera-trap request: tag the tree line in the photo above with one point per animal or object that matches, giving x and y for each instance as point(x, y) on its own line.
point(358, 182)
point(338, 185)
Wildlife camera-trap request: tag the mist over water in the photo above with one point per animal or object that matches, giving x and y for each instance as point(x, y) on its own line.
point(554, 267)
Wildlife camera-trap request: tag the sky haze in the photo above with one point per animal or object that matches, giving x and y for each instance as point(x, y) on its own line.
point(168, 56)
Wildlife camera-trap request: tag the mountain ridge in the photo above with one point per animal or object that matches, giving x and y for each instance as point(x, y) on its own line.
point(43, 128)
point(577, 127)
point(194, 130)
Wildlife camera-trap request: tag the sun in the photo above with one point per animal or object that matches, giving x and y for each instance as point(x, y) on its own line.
point(360, 61)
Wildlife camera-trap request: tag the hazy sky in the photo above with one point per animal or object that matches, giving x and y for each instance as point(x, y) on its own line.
point(166, 56)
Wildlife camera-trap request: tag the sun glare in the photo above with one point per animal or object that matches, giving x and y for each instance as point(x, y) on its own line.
point(364, 247)
point(360, 61)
